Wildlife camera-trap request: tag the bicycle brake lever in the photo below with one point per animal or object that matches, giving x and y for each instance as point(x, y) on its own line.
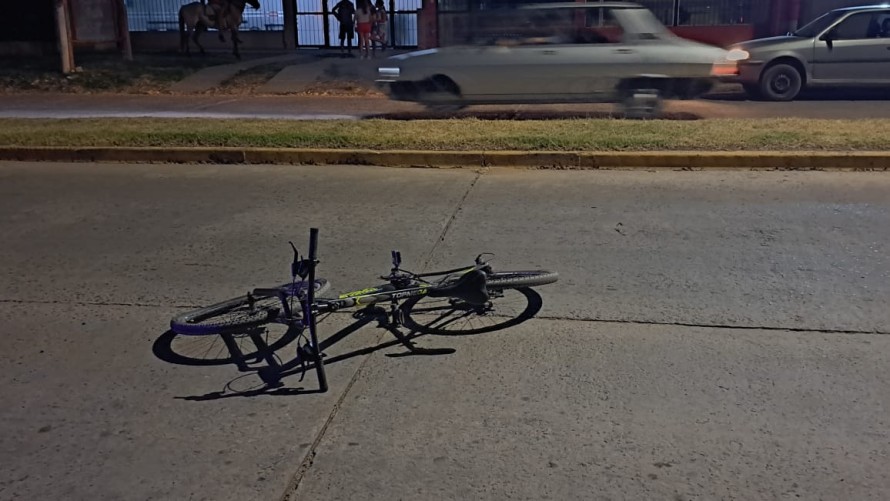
point(479, 260)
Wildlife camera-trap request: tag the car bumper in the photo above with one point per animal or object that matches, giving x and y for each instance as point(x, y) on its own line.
point(746, 73)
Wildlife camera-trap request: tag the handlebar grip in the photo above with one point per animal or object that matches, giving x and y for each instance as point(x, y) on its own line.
point(313, 243)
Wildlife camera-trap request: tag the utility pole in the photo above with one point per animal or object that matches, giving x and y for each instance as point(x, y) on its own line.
point(123, 29)
point(63, 27)
point(289, 11)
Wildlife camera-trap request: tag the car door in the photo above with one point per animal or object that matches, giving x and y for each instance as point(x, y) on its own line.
point(599, 57)
point(593, 70)
point(508, 72)
point(854, 51)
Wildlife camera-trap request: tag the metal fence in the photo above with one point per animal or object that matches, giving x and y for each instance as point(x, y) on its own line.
point(670, 12)
point(162, 15)
point(457, 18)
point(706, 12)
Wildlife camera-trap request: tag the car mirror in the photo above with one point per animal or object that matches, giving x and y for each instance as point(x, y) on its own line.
point(827, 37)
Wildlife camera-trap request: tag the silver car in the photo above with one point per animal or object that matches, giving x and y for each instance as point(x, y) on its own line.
point(843, 47)
point(557, 53)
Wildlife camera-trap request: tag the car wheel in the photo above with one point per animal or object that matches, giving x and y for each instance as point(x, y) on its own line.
point(642, 104)
point(440, 93)
point(752, 90)
point(781, 82)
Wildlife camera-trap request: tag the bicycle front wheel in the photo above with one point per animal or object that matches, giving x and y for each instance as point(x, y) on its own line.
point(237, 315)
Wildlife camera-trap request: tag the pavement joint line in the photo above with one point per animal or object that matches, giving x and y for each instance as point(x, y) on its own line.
point(713, 326)
point(451, 219)
point(537, 317)
point(95, 303)
point(294, 484)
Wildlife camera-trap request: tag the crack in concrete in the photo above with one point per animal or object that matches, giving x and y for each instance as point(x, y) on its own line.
point(451, 219)
point(294, 485)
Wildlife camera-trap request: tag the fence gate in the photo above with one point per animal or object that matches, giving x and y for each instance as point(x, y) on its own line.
point(317, 27)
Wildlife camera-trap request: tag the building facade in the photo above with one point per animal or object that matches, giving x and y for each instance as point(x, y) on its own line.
point(413, 23)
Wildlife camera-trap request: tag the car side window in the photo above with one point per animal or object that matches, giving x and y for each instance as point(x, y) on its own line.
point(855, 27)
point(885, 25)
point(600, 26)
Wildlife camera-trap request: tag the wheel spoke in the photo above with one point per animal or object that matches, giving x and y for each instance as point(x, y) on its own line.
point(214, 350)
point(443, 316)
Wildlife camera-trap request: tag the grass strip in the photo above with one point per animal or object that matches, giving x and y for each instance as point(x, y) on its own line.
point(459, 134)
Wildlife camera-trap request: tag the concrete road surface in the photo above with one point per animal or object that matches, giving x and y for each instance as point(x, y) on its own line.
point(713, 335)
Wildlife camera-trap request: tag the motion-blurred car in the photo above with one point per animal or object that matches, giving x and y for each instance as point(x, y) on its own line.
point(558, 53)
point(844, 47)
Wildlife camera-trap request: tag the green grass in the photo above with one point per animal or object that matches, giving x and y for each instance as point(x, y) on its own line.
point(459, 134)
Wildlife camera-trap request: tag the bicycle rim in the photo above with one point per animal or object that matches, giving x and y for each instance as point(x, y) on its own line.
point(454, 317)
point(236, 315)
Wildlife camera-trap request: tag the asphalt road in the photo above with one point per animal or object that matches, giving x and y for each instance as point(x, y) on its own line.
point(712, 335)
point(725, 104)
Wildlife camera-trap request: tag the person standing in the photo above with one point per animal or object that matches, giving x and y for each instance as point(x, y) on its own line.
point(344, 12)
point(378, 34)
point(364, 16)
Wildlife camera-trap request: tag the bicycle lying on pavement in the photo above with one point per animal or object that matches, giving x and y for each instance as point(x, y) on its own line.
point(434, 302)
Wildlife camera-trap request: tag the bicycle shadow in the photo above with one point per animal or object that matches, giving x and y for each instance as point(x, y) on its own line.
point(256, 352)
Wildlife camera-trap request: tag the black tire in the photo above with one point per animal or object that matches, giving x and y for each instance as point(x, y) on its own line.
point(781, 82)
point(222, 349)
point(452, 317)
point(515, 279)
point(442, 94)
point(235, 315)
point(642, 104)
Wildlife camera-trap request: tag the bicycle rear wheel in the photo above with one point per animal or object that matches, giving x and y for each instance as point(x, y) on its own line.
point(508, 306)
point(236, 315)
point(516, 279)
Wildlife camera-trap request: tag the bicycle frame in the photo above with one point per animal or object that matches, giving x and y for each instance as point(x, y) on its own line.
point(465, 291)
point(402, 285)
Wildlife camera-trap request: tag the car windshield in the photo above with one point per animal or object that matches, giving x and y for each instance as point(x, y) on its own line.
point(818, 25)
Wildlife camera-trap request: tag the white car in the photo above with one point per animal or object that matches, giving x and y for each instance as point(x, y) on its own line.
point(558, 53)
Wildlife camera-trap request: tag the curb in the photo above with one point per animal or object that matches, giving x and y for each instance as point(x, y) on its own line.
point(807, 160)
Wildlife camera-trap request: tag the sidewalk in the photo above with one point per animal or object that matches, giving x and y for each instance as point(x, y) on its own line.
point(309, 67)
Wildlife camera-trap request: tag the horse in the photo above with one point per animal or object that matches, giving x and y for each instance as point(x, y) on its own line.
point(193, 17)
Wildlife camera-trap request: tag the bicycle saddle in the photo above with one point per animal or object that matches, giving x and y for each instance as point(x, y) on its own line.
point(470, 287)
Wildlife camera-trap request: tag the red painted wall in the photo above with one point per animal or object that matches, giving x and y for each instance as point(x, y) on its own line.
point(721, 36)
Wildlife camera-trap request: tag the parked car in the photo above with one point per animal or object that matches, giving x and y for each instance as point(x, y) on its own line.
point(843, 47)
point(557, 53)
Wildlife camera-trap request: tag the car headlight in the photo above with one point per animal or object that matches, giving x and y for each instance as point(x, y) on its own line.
point(738, 55)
